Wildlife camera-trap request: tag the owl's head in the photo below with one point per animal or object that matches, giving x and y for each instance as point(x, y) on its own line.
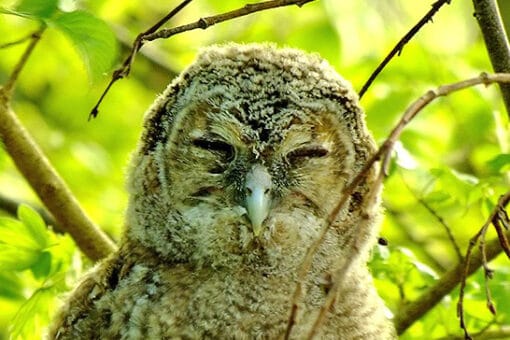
point(243, 157)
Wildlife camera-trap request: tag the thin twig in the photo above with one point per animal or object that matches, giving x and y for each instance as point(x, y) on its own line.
point(202, 23)
point(397, 50)
point(384, 154)
point(36, 36)
point(125, 69)
point(20, 40)
point(436, 215)
point(494, 218)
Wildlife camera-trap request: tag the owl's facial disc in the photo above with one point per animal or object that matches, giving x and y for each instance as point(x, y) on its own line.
point(258, 196)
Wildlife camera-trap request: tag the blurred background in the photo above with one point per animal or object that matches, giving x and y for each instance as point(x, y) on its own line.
point(449, 168)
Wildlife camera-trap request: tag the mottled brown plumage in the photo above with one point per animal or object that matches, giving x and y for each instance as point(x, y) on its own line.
point(241, 160)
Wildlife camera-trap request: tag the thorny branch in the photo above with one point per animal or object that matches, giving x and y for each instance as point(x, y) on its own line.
point(383, 154)
point(202, 23)
point(397, 50)
point(497, 218)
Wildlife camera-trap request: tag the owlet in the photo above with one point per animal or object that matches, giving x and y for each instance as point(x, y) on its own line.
point(241, 160)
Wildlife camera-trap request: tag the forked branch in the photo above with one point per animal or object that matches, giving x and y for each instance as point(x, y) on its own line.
point(203, 23)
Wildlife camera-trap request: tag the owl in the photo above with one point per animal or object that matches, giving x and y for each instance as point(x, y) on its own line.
point(241, 160)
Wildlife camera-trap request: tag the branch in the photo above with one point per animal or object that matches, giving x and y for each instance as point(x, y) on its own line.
point(397, 50)
point(11, 82)
point(19, 41)
point(41, 175)
point(497, 216)
point(496, 41)
point(125, 69)
point(436, 215)
point(383, 154)
point(202, 23)
point(416, 309)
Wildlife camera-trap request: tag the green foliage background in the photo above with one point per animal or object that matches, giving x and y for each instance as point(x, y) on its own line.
point(454, 158)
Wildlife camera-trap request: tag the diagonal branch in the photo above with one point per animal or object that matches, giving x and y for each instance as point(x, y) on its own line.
point(383, 154)
point(41, 175)
point(397, 50)
point(416, 309)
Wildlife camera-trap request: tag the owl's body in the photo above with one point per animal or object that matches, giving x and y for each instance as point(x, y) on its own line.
point(242, 159)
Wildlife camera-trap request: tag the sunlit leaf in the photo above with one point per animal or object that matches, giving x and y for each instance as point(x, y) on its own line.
point(16, 234)
point(16, 257)
point(34, 224)
point(500, 163)
point(12, 286)
point(41, 268)
point(38, 9)
point(33, 312)
point(92, 37)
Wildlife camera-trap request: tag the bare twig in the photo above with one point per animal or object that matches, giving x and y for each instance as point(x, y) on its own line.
point(124, 70)
point(495, 218)
point(9, 85)
point(496, 41)
point(397, 50)
point(202, 23)
point(383, 154)
point(20, 40)
point(438, 217)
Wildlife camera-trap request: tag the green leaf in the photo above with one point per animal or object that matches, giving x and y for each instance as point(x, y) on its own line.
point(38, 9)
point(500, 163)
point(17, 258)
point(34, 224)
point(92, 37)
point(12, 286)
point(34, 312)
point(42, 267)
point(15, 233)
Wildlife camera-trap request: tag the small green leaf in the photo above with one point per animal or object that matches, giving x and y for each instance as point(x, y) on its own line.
point(499, 163)
point(34, 224)
point(37, 8)
point(15, 233)
point(92, 37)
point(42, 267)
point(17, 258)
point(35, 311)
point(12, 286)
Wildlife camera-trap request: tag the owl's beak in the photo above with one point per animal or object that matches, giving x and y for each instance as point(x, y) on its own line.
point(258, 196)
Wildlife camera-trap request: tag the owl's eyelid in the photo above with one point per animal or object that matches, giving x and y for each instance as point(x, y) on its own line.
point(214, 144)
point(311, 150)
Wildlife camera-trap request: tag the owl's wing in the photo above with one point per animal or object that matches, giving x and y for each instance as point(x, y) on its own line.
point(78, 318)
